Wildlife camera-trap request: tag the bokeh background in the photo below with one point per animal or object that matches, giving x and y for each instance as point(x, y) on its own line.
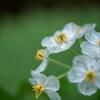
point(23, 24)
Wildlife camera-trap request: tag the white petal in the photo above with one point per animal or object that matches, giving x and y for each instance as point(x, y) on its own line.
point(42, 66)
point(76, 75)
point(48, 42)
point(90, 49)
point(70, 26)
point(63, 47)
point(33, 81)
point(52, 83)
point(98, 80)
point(82, 61)
point(92, 37)
point(53, 95)
point(85, 29)
point(39, 77)
point(87, 88)
point(76, 29)
point(89, 27)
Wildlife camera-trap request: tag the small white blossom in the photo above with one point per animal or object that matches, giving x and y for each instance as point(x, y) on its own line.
point(86, 73)
point(43, 84)
point(91, 47)
point(61, 40)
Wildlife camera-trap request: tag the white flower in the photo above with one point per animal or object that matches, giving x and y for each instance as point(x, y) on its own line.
point(86, 73)
point(60, 41)
point(43, 84)
point(42, 55)
point(91, 47)
point(80, 31)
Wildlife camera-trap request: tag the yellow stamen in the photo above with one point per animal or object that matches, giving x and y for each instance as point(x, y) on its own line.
point(38, 88)
point(60, 38)
point(40, 54)
point(90, 76)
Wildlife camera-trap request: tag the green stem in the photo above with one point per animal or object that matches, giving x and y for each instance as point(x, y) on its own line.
point(74, 52)
point(61, 76)
point(59, 63)
point(80, 40)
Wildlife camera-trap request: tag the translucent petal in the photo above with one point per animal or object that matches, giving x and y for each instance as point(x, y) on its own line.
point(82, 61)
point(62, 47)
point(90, 49)
point(70, 26)
point(76, 75)
point(53, 95)
point(48, 42)
point(52, 83)
point(89, 27)
point(84, 29)
point(42, 66)
point(39, 77)
point(92, 37)
point(98, 80)
point(97, 66)
point(87, 88)
point(32, 81)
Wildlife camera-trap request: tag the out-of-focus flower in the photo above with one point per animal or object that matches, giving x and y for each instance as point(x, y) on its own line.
point(86, 73)
point(43, 84)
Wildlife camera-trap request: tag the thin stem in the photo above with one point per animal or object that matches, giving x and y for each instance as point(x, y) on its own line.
point(59, 63)
point(61, 76)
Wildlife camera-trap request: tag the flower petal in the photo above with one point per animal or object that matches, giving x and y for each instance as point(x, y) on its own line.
point(87, 88)
point(42, 66)
point(76, 75)
point(63, 46)
point(39, 77)
point(48, 42)
point(52, 83)
point(92, 37)
point(90, 49)
point(32, 81)
point(98, 80)
point(84, 29)
point(82, 61)
point(53, 95)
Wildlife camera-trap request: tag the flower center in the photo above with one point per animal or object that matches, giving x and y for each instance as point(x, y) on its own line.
point(38, 88)
point(90, 76)
point(40, 54)
point(98, 42)
point(60, 38)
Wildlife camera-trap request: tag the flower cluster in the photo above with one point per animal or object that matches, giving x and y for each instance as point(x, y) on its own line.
point(85, 69)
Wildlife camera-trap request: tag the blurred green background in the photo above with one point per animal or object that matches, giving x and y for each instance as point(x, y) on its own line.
point(23, 24)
